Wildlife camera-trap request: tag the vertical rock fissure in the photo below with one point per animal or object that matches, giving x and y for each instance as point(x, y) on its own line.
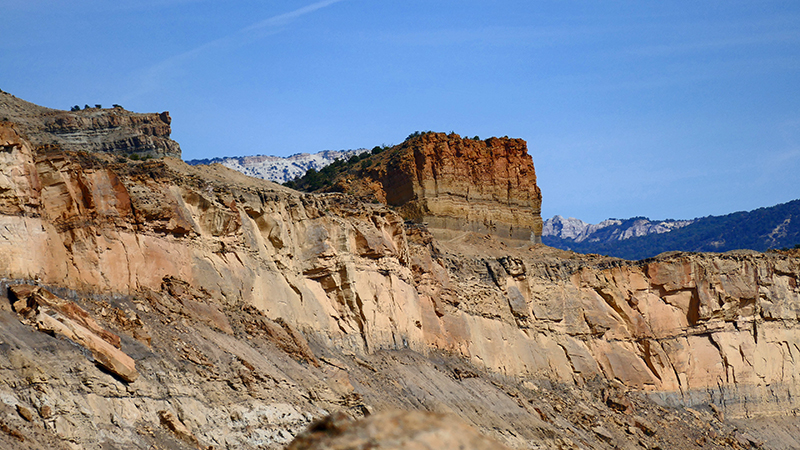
point(648, 358)
point(361, 320)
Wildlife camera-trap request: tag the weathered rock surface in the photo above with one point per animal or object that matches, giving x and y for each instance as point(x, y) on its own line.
point(393, 430)
point(457, 184)
point(250, 309)
point(56, 316)
point(110, 130)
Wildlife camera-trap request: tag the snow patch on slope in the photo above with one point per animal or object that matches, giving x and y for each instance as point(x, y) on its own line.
point(607, 230)
point(280, 169)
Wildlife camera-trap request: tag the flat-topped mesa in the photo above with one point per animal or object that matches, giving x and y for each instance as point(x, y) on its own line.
point(101, 130)
point(458, 184)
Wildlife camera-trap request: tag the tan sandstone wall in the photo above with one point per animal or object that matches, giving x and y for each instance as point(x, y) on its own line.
point(686, 328)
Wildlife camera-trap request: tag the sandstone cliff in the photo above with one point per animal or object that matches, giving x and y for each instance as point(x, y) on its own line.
point(456, 184)
point(250, 309)
point(113, 130)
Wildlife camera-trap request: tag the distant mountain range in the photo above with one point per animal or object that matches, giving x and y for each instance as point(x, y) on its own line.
point(762, 229)
point(608, 230)
point(280, 169)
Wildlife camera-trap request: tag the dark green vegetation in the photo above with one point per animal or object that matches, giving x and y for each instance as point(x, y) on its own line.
point(775, 227)
point(314, 180)
point(96, 106)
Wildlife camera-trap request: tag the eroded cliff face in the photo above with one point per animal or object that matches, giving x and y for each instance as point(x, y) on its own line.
point(111, 130)
point(458, 184)
point(688, 328)
point(233, 295)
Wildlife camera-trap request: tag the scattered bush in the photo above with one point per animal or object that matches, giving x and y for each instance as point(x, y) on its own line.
point(418, 134)
point(75, 108)
point(314, 180)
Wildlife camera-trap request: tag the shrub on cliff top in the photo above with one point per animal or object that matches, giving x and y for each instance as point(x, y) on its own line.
point(379, 148)
point(418, 134)
point(314, 180)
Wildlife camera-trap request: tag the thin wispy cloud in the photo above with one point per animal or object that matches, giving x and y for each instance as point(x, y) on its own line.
point(155, 74)
point(283, 19)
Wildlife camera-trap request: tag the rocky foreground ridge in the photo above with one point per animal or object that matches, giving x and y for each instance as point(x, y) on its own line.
point(156, 303)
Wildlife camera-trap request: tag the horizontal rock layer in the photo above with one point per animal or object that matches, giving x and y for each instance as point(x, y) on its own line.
point(110, 130)
point(457, 184)
point(322, 275)
point(688, 328)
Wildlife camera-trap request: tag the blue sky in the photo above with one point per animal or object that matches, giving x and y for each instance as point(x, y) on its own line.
point(661, 109)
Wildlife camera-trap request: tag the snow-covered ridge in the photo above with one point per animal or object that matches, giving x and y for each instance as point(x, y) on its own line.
point(608, 230)
point(280, 169)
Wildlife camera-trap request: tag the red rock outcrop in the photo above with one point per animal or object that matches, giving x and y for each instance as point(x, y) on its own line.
point(457, 184)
